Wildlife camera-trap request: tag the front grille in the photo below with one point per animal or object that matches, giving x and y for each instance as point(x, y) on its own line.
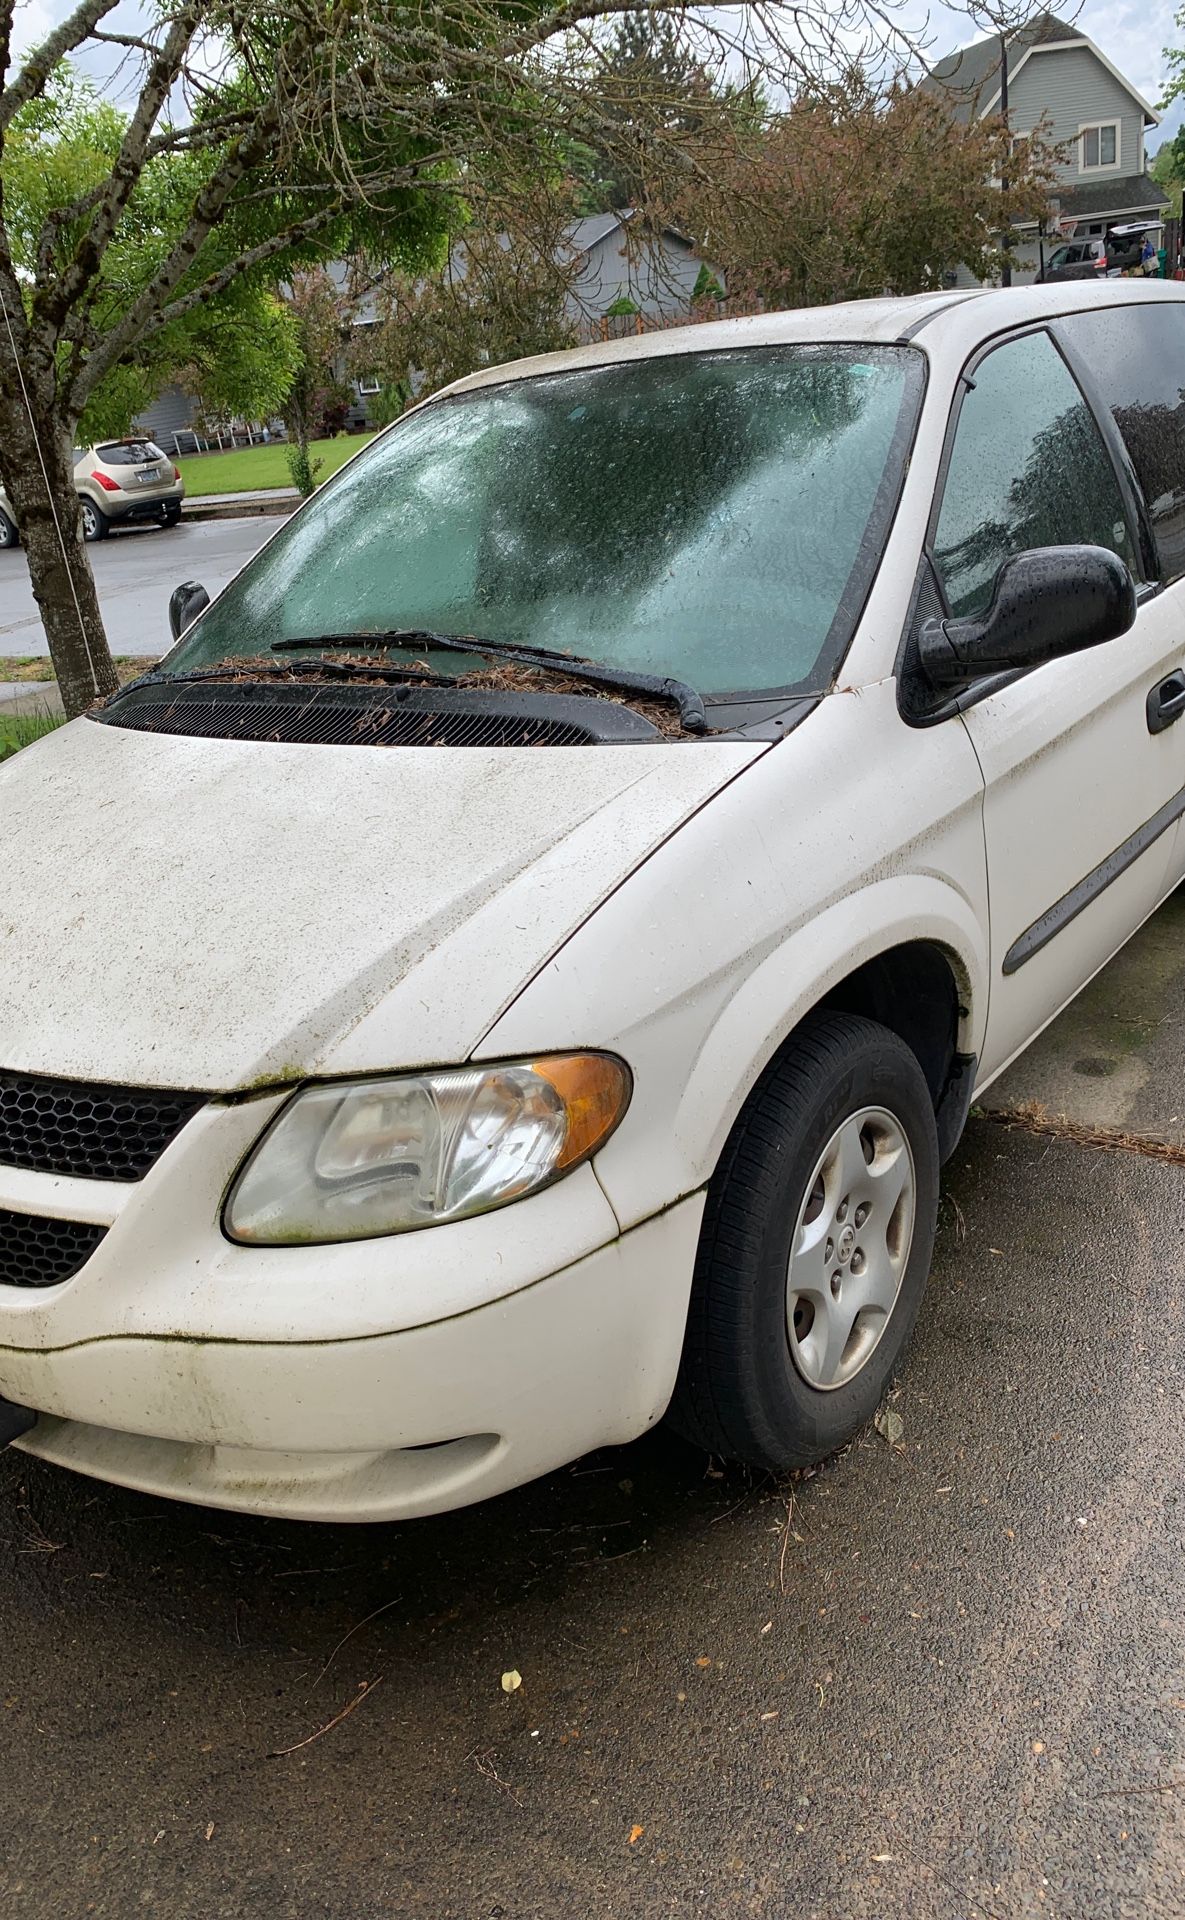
point(94, 1132)
point(38, 1252)
point(387, 716)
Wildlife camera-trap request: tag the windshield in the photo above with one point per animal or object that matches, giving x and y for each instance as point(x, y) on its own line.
point(712, 517)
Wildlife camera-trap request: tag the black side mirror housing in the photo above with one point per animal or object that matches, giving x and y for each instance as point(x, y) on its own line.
point(185, 603)
point(1045, 604)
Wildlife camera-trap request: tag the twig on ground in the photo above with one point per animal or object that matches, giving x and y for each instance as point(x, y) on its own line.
point(365, 1687)
point(484, 1762)
point(1033, 1118)
point(357, 1628)
point(788, 1534)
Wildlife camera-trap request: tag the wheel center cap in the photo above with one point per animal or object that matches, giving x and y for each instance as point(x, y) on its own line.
point(845, 1243)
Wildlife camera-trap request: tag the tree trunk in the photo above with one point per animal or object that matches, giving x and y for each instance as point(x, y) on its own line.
point(50, 527)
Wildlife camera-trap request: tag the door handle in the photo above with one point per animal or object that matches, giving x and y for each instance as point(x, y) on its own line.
point(1166, 703)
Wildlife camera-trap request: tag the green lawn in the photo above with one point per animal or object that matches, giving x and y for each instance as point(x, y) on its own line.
point(249, 468)
point(38, 667)
point(19, 730)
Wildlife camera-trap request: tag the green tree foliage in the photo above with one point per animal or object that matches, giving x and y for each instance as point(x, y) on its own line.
point(236, 353)
point(652, 88)
point(1168, 169)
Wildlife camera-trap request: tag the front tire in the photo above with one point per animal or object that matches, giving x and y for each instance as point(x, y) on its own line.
point(95, 525)
point(9, 536)
point(815, 1249)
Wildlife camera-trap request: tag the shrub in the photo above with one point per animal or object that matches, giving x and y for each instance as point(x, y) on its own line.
point(304, 470)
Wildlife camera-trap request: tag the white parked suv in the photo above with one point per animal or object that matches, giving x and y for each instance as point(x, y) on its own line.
point(520, 963)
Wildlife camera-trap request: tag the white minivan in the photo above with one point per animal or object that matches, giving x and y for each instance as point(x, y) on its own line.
point(519, 964)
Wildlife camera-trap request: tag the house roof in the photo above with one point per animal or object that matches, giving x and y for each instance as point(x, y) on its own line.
point(583, 235)
point(1132, 193)
point(971, 76)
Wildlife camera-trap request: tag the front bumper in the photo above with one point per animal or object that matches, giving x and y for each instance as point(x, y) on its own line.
point(383, 1426)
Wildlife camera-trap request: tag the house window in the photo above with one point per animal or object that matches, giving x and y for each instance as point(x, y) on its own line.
point(1098, 146)
point(369, 384)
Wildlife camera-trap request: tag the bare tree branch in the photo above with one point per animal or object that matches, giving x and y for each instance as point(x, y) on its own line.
point(38, 69)
point(54, 301)
point(120, 340)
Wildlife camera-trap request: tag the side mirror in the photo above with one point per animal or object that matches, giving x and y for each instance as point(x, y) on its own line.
point(1050, 602)
point(185, 603)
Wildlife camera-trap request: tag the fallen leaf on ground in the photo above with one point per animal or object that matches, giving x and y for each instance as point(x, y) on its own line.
point(512, 1681)
point(635, 1835)
point(889, 1425)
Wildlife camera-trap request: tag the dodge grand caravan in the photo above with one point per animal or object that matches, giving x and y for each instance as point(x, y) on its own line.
point(519, 964)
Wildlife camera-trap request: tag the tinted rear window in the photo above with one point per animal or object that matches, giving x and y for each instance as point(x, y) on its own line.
point(129, 453)
point(1137, 357)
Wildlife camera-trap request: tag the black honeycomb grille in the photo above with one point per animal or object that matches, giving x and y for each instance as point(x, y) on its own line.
point(94, 1132)
point(38, 1252)
point(389, 716)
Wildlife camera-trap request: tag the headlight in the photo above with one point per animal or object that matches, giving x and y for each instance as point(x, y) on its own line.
point(369, 1157)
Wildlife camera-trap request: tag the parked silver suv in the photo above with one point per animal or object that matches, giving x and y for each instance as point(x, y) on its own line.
point(118, 482)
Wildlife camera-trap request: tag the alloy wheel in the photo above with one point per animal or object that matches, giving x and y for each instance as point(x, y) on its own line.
point(850, 1248)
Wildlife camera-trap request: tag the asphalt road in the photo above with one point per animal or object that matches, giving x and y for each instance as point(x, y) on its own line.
point(942, 1681)
point(135, 571)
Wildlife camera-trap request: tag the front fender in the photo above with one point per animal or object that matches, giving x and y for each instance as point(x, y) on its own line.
point(772, 1000)
point(700, 964)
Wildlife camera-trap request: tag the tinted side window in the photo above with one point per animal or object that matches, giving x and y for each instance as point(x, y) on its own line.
point(1137, 355)
point(1028, 469)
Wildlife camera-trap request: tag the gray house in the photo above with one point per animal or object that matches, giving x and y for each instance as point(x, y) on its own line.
point(653, 272)
point(1057, 72)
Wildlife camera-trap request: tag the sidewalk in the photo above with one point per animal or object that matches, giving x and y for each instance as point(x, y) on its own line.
point(29, 696)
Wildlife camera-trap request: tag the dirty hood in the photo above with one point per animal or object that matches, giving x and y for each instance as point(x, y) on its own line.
point(219, 914)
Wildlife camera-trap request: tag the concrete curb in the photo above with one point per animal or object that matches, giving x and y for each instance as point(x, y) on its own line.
point(236, 508)
point(29, 696)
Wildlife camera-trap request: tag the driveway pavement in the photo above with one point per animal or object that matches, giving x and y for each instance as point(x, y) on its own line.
point(135, 571)
point(937, 1681)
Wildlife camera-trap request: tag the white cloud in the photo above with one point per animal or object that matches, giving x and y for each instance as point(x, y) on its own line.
point(31, 21)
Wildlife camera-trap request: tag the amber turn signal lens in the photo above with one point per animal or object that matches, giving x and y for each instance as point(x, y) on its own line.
point(595, 1089)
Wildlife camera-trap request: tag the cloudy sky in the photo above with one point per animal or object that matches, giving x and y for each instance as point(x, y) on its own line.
point(1132, 33)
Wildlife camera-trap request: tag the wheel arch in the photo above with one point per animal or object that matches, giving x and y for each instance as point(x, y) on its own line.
point(907, 952)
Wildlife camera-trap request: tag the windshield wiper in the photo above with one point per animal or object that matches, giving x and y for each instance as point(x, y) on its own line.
point(658, 686)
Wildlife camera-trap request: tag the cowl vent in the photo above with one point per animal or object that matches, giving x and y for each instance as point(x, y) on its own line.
point(366, 716)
